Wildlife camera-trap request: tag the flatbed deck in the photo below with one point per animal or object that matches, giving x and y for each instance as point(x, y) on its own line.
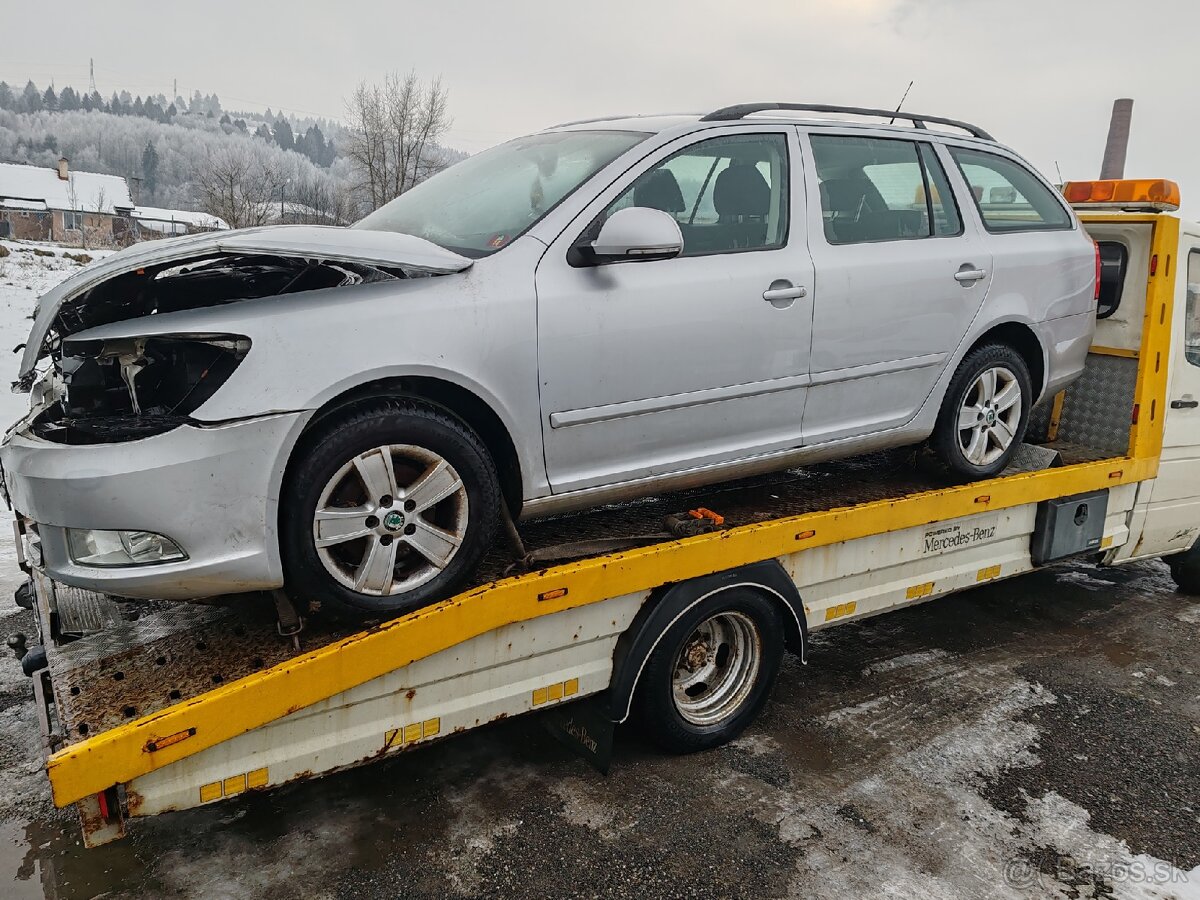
point(145, 657)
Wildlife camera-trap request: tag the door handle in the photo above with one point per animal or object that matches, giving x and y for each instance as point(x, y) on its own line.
point(772, 295)
point(969, 276)
point(1184, 404)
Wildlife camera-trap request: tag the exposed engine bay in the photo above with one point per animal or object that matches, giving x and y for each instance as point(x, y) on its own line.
point(123, 389)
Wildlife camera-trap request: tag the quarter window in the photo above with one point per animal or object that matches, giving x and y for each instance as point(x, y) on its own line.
point(881, 189)
point(1191, 327)
point(728, 194)
point(1009, 196)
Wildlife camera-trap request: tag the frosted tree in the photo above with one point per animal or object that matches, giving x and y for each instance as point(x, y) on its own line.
point(392, 133)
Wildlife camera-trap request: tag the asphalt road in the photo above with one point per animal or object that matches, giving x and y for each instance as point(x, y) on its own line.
point(1034, 738)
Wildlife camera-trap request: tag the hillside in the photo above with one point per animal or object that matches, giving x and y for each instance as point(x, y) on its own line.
point(172, 152)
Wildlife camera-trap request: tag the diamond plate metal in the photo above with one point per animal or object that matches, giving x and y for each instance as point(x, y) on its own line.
point(1098, 409)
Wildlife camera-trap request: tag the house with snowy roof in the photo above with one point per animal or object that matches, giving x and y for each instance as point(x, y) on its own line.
point(55, 204)
point(86, 209)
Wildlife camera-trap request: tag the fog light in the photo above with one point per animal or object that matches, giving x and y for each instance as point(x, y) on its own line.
point(90, 547)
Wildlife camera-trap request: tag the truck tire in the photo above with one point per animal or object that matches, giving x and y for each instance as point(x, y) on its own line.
point(1185, 569)
point(711, 672)
point(386, 509)
point(984, 414)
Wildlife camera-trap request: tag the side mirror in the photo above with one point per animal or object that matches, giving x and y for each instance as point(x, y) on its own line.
point(635, 234)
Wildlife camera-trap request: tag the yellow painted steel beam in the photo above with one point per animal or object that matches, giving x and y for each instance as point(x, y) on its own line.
point(122, 754)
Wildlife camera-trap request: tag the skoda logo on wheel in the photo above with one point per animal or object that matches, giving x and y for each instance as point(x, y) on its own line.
point(394, 520)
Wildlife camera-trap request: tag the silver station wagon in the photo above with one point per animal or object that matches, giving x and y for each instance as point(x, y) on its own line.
point(598, 311)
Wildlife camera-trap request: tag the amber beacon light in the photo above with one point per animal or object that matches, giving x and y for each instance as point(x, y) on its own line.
point(1124, 193)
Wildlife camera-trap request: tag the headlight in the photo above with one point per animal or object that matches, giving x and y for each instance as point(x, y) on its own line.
point(91, 547)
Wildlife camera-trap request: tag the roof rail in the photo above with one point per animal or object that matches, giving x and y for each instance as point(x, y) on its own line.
point(741, 110)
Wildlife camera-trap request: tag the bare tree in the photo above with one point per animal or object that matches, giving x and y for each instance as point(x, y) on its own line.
point(73, 199)
point(238, 184)
point(392, 133)
point(100, 200)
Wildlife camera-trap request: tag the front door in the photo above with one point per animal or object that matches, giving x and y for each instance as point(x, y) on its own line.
point(1173, 515)
point(901, 273)
point(649, 368)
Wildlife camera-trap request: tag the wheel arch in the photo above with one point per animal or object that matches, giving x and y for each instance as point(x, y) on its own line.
point(1022, 338)
point(461, 402)
point(668, 603)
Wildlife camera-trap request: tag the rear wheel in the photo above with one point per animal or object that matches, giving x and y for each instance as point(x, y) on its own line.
point(1185, 569)
point(984, 414)
point(711, 673)
point(391, 508)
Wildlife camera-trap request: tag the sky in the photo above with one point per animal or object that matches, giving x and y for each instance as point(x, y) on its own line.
point(1040, 75)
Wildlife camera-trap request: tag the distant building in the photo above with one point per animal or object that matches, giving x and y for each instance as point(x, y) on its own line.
point(42, 204)
point(176, 221)
point(84, 209)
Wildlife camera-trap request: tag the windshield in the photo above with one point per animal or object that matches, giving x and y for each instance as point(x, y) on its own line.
point(479, 205)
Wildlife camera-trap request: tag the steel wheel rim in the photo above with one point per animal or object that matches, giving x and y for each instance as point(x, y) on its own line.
point(390, 520)
point(716, 668)
point(989, 416)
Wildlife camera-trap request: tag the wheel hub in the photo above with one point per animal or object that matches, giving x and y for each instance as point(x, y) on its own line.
point(696, 655)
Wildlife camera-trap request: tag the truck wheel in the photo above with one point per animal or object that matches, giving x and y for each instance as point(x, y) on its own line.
point(983, 417)
point(389, 508)
point(711, 672)
point(1185, 569)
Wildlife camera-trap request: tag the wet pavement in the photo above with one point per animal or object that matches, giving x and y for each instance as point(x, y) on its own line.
point(1033, 738)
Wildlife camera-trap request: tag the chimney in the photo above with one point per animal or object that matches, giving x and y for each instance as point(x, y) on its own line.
point(63, 174)
point(1118, 140)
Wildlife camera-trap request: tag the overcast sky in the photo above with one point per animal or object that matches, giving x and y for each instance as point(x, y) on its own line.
point(1040, 75)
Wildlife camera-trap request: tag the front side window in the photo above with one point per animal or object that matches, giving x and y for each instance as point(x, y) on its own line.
point(1191, 328)
point(1009, 196)
point(882, 189)
point(483, 203)
point(728, 194)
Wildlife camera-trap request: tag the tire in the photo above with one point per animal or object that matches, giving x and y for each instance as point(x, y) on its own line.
point(432, 519)
point(980, 451)
point(1185, 569)
point(668, 706)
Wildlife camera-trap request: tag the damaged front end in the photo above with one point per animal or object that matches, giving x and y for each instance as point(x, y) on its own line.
point(131, 388)
point(114, 385)
point(127, 388)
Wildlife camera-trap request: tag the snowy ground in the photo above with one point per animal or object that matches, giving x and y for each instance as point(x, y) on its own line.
point(27, 272)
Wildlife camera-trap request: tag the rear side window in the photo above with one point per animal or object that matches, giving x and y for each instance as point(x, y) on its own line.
point(1009, 196)
point(880, 189)
point(1114, 257)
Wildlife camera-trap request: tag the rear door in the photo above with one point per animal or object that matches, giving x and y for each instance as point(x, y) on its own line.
point(901, 273)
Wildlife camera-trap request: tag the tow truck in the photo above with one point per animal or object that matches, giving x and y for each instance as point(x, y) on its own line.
point(152, 707)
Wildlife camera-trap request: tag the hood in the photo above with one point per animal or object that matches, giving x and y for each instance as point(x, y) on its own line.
point(387, 249)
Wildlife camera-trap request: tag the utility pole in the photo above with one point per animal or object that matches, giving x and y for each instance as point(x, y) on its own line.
point(92, 75)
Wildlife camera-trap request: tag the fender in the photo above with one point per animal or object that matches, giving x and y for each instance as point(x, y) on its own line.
point(666, 605)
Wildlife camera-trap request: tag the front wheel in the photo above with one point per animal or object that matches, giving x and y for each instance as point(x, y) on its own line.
point(389, 508)
point(711, 672)
point(984, 414)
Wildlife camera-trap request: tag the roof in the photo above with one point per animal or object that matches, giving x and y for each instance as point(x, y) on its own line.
point(93, 192)
point(656, 123)
point(152, 214)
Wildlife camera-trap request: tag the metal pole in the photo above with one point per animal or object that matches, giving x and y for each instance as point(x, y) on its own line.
point(1117, 145)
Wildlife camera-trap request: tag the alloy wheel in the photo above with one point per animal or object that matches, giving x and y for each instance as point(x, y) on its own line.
point(390, 519)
